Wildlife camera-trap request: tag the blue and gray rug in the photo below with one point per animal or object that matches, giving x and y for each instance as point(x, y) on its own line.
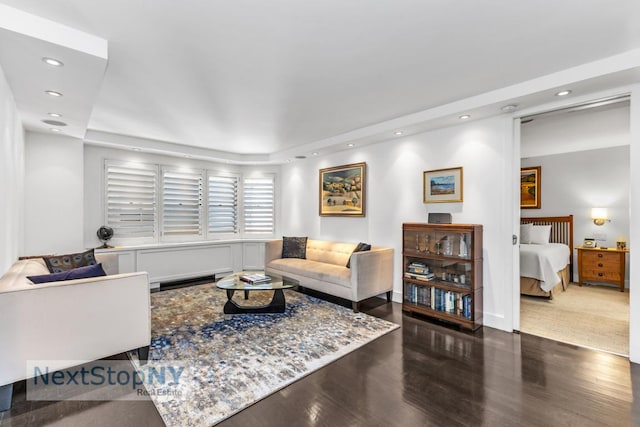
point(232, 361)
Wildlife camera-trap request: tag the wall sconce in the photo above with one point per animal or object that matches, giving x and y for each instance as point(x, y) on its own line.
point(599, 216)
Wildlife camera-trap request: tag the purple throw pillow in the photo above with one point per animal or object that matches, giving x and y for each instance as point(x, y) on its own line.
point(76, 273)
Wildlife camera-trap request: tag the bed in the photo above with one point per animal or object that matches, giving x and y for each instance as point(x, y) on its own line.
point(546, 268)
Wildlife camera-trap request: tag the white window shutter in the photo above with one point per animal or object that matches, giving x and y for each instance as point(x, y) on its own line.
point(258, 205)
point(182, 204)
point(222, 205)
point(130, 200)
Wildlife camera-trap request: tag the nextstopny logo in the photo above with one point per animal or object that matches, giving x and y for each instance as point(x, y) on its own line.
point(103, 380)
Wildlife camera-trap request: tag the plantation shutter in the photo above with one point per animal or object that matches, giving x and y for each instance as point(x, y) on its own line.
point(223, 204)
point(259, 198)
point(131, 200)
point(181, 203)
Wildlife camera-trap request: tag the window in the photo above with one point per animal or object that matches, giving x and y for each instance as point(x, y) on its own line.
point(222, 205)
point(130, 200)
point(258, 206)
point(182, 206)
point(151, 203)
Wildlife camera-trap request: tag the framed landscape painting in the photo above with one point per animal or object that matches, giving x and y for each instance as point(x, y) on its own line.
point(342, 190)
point(442, 185)
point(530, 187)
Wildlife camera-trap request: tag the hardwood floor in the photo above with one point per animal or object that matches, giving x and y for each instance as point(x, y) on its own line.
point(422, 374)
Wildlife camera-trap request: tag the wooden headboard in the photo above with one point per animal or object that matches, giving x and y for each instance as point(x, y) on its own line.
point(561, 232)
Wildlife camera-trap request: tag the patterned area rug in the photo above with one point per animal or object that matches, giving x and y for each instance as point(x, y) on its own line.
point(232, 361)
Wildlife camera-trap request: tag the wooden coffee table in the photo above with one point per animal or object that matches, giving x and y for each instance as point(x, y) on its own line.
point(277, 284)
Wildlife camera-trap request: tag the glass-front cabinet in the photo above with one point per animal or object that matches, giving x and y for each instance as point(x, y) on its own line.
point(442, 272)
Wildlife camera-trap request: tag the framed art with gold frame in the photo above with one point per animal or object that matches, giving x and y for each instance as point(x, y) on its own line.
point(442, 185)
point(342, 190)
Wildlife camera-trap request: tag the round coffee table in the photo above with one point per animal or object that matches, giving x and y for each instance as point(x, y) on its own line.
point(276, 284)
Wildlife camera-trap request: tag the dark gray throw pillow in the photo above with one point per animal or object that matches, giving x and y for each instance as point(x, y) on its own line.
point(294, 247)
point(362, 247)
point(59, 263)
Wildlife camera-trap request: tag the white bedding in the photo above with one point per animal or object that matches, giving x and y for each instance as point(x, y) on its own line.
point(542, 262)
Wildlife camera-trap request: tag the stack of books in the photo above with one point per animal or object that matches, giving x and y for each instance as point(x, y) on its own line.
point(255, 278)
point(418, 271)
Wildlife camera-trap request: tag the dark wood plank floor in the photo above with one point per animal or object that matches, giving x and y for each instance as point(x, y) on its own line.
point(423, 374)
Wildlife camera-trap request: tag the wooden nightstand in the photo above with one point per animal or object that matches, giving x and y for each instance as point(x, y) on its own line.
point(602, 265)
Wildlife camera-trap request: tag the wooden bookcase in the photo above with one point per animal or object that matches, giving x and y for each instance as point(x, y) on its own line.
point(442, 272)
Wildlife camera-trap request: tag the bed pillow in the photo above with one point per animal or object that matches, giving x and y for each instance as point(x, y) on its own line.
point(525, 233)
point(59, 263)
point(540, 234)
point(362, 247)
point(95, 270)
point(294, 247)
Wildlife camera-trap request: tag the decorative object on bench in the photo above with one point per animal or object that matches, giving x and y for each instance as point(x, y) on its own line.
point(324, 269)
point(342, 190)
point(69, 322)
point(105, 234)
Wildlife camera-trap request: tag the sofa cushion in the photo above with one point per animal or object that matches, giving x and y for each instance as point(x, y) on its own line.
point(362, 247)
point(15, 278)
point(294, 247)
point(95, 270)
point(329, 252)
point(337, 274)
point(59, 263)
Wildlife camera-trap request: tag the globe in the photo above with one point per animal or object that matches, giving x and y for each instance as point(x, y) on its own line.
point(104, 233)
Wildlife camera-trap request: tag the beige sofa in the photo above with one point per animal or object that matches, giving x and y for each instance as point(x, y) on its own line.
point(71, 322)
point(324, 269)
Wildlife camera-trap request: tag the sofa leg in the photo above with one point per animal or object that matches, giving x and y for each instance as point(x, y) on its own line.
point(143, 355)
point(388, 296)
point(356, 306)
point(6, 392)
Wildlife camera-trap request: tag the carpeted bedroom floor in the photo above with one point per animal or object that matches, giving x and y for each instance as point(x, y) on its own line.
point(590, 316)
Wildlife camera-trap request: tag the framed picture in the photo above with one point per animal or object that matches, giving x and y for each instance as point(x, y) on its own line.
point(530, 187)
point(342, 190)
point(442, 185)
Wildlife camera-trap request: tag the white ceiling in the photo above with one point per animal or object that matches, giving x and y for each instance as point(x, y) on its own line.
point(274, 78)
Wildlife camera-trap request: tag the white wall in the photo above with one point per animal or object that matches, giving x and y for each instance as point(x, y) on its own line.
point(394, 195)
point(634, 255)
point(11, 178)
point(54, 182)
point(576, 131)
point(94, 157)
point(573, 183)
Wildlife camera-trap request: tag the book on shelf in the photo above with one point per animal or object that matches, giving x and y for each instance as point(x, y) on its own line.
point(255, 278)
point(416, 276)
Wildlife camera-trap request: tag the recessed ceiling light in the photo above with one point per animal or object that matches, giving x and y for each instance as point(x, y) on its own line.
point(563, 93)
point(55, 130)
point(54, 114)
point(314, 154)
point(187, 156)
point(52, 61)
point(350, 145)
point(398, 133)
point(509, 108)
point(464, 117)
point(288, 160)
point(136, 149)
point(52, 93)
point(54, 122)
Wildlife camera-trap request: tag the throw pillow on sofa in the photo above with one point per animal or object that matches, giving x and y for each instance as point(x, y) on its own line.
point(362, 247)
point(60, 263)
point(294, 247)
point(86, 272)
